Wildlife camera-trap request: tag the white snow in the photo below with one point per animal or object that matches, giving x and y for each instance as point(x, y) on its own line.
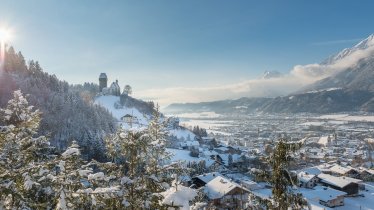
point(324, 140)
point(61, 165)
point(320, 193)
point(182, 133)
point(61, 205)
point(85, 172)
point(96, 176)
point(305, 177)
point(181, 155)
point(197, 115)
point(219, 187)
point(347, 117)
point(209, 176)
point(322, 90)
point(312, 123)
point(179, 196)
point(333, 180)
point(71, 151)
point(340, 169)
point(126, 180)
point(140, 120)
point(28, 182)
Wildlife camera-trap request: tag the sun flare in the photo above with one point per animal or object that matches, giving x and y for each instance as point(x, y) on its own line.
point(5, 34)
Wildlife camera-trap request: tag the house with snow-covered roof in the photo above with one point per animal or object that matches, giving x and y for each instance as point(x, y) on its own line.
point(325, 195)
point(202, 180)
point(344, 171)
point(345, 184)
point(307, 180)
point(226, 194)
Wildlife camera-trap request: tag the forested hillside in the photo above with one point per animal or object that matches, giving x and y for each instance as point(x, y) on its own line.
point(67, 111)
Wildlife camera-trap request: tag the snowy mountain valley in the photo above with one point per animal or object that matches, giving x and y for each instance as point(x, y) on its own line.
point(93, 146)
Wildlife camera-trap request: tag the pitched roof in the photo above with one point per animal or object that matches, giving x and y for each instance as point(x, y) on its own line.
point(305, 177)
point(312, 170)
point(209, 176)
point(219, 187)
point(340, 169)
point(335, 181)
point(322, 193)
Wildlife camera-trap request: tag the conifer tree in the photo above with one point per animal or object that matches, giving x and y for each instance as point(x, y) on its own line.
point(22, 155)
point(283, 183)
point(140, 155)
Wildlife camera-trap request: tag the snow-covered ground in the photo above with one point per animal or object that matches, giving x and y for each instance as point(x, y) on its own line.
point(207, 124)
point(197, 115)
point(109, 101)
point(364, 203)
point(182, 134)
point(347, 117)
point(313, 123)
point(184, 156)
point(211, 125)
point(181, 155)
point(350, 203)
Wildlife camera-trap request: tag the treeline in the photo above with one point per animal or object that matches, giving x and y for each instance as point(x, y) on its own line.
point(201, 132)
point(33, 176)
point(67, 111)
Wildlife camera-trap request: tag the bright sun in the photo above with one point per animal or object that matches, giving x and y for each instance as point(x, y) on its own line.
point(5, 34)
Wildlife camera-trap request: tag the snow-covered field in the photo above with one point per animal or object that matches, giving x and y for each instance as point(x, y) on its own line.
point(207, 124)
point(210, 121)
point(347, 117)
point(181, 155)
point(198, 115)
point(109, 102)
point(350, 203)
point(312, 123)
point(364, 203)
point(181, 133)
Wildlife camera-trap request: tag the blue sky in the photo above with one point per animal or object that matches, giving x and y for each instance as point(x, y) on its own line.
point(156, 45)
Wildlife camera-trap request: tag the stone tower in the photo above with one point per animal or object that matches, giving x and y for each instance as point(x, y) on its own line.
point(103, 81)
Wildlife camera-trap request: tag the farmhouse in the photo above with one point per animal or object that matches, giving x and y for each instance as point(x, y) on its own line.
point(344, 184)
point(226, 194)
point(202, 180)
point(324, 195)
point(344, 171)
point(307, 180)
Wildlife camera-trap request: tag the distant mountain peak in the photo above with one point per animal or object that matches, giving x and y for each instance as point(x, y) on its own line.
point(271, 74)
point(365, 43)
point(357, 76)
point(362, 45)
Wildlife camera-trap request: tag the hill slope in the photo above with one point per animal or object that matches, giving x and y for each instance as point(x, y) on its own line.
point(67, 111)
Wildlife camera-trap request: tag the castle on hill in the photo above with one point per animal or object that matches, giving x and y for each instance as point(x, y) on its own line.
point(114, 88)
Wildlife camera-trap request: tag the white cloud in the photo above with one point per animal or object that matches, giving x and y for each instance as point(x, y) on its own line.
point(250, 88)
point(313, 72)
point(298, 77)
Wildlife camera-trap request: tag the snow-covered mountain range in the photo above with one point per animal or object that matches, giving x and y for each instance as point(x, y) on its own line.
point(347, 86)
point(362, 45)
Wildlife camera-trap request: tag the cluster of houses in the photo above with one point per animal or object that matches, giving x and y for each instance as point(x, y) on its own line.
point(320, 186)
point(332, 165)
point(327, 169)
point(335, 181)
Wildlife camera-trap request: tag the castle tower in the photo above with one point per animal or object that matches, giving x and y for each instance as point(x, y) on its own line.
point(103, 81)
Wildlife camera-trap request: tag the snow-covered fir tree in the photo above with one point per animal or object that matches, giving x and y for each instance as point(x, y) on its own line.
point(22, 155)
point(140, 154)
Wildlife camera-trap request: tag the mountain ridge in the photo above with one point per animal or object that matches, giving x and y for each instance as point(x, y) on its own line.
point(348, 89)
